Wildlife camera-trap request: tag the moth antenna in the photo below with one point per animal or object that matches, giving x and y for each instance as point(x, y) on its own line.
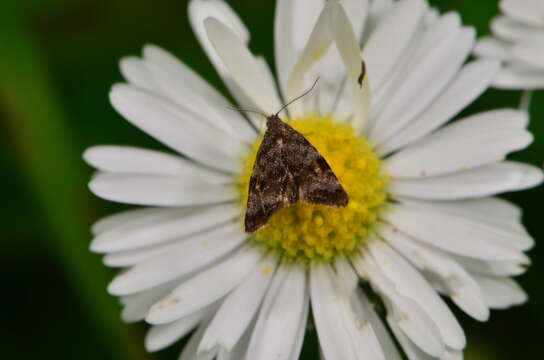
point(248, 111)
point(298, 97)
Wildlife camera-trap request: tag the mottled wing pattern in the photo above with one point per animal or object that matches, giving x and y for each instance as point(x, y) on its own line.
point(287, 169)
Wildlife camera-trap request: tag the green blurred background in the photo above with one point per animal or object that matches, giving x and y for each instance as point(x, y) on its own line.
point(58, 59)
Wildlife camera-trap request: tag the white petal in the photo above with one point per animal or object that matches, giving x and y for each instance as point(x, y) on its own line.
point(135, 71)
point(190, 349)
point(472, 80)
point(502, 210)
point(242, 66)
point(454, 281)
point(293, 23)
point(489, 46)
point(317, 46)
point(410, 317)
point(158, 190)
point(142, 161)
point(301, 332)
point(509, 29)
point(183, 258)
point(112, 221)
point(237, 310)
point(161, 336)
point(478, 140)
point(128, 258)
point(376, 12)
point(479, 182)
point(451, 232)
point(489, 218)
point(413, 352)
point(493, 268)
point(214, 110)
point(182, 74)
point(388, 346)
point(421, 46)
point(390, 38)
point(357, 11)
point(500, 292)
point(513, 77)
point(204, 288)
point(274, 336)
point(163, 227)
point(346, 277)
point(342, 324)
point(526, 11)
point(347, 44)
point(423, 83)
point(239, 350)
point(530, 52)
point(409, 283)
point(136, 306)
point(179, 128)
point(333, 337)
point(199, 11)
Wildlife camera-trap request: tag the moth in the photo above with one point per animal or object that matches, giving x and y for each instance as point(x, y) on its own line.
point(287, 169)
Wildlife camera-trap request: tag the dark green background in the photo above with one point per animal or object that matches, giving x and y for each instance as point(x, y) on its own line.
point(58, 59)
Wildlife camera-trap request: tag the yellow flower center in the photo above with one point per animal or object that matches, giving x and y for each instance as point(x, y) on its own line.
point(302, 231)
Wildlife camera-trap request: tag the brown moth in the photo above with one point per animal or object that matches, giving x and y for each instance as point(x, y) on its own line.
point(288, 169)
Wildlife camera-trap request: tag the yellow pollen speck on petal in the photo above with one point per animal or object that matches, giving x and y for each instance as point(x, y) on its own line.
point(266, 270)
point(318, 54)
point(305, 232)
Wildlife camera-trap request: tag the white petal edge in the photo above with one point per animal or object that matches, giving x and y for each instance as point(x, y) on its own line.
point(472, 80)
point(176, 127)
point(159, 337)
point(348, 47)
point(317, 46)
point(128, 159)
point(162, 228)
point(409, 316)
point(204, 288)
point(474, 141)
point(342, 324)
point(500, 292)
point(411, 284)
point(181, 259)
point(424, 81)
point(479, 182)
point(390, 38)
point(450, 233)
point(199, 11)
point(274, 336)
point(453, 279)
point(242, 66)
point(237, 310)
point(158, 190)
point(293, 23)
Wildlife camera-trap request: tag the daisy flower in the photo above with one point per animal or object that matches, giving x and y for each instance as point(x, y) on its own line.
point(422, 219)
point(518, 41)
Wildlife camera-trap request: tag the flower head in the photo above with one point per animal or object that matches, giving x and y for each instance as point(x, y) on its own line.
point(518, 41)
point(422, 217)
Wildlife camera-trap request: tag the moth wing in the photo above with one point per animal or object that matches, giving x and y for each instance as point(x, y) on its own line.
point(313, 176)
point(319, 185)
point(271, 185)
